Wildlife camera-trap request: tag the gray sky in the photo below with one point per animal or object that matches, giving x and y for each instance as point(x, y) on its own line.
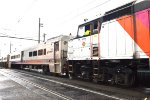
point(19, 18)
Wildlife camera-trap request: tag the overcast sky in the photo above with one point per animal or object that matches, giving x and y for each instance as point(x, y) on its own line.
point(19, 18)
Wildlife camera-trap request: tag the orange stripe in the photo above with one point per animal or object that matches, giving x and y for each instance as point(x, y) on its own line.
point(142, 32)
point(34, 61)
point(127, 23)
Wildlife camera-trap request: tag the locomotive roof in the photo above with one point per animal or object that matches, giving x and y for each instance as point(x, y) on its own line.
point(126, 9)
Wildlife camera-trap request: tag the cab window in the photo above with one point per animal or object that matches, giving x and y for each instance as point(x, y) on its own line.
point(95, 28)
point(84, 30)
point(87, 30)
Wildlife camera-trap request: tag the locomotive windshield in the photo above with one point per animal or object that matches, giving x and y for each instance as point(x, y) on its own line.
point(84, 30)
point(88, 29)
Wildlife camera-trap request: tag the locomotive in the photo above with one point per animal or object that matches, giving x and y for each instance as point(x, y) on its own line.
point(114, 48)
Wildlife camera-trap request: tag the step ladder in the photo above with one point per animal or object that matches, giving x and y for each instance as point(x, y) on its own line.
point(95, 69)
point(70, 67)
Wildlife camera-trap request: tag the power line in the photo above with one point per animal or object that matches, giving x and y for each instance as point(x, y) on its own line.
point(88, 10)
point(18, 38)
point(28, 9)
point(72, 12)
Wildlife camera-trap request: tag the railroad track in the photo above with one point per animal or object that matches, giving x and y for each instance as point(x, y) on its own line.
point(61, 95)
point(20, 80)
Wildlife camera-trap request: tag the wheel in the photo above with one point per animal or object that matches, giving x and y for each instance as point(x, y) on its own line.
point(131, 80)
point(112, 80)
point(45, 70)
point(95, 80)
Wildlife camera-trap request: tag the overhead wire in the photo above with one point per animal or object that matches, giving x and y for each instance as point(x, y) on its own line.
point(74, 17)
point(33, 2)
point(71, 12)
point(18, 37)
point(19, 20)
point(28, 8)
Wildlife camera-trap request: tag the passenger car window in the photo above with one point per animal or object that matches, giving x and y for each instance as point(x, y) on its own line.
point(34, 53)
point(30, 54)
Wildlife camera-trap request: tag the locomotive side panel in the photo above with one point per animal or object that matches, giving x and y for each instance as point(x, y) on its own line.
point(140, 35)
point(104, 43)
point(70, 50)
point(125, 44)
point(112, 41)
point(115, 42)
point(85, 49)
point(73, 49)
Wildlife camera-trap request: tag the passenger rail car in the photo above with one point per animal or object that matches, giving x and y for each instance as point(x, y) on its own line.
point(14, 59)
point(114, 48)
point(48, 57)
point(4, 61)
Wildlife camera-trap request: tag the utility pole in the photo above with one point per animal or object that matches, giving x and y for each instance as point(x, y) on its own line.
point(44, 37)
point(39, 31)
point(40, 25)
point(10, 47)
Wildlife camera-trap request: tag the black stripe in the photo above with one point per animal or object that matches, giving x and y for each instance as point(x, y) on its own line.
point(142, 5)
